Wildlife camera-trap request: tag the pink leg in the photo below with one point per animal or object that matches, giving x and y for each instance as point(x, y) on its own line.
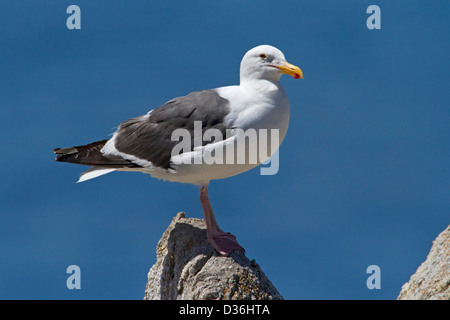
point(222, 241)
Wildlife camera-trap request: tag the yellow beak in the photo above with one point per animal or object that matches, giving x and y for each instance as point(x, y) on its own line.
point(291, 70)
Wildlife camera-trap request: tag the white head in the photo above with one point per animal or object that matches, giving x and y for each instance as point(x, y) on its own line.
point(266, 63)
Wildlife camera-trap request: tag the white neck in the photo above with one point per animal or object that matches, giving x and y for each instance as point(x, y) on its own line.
point(261, 85)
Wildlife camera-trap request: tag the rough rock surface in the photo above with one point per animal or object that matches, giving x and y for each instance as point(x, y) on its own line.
point(188, 268)
point(432, 279)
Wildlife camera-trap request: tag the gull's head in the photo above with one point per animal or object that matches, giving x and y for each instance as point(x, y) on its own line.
point(267, 63)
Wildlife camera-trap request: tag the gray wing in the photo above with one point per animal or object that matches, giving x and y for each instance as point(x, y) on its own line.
point(149, 137)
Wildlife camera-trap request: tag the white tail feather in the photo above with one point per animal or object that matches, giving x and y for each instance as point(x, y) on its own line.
point(94, 172)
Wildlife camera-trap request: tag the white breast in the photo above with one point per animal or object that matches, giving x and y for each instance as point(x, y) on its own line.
point(257, 109)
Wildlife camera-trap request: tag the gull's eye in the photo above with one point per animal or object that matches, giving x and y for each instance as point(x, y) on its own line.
point(262, 56)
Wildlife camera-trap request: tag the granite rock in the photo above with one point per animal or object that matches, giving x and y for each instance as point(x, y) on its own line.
point(431, 281)
point(188, 268)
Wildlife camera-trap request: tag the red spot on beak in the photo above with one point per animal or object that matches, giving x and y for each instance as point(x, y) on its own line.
point(296, 76)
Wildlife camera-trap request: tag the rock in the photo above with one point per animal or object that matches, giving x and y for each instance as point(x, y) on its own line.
point(188, 268)
point(432, 279)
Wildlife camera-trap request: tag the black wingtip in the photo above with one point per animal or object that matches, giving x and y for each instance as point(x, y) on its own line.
point(57, 151)
point(61, 157)
point(64, 153)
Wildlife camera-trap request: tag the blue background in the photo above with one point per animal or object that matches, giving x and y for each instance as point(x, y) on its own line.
point(364, 170)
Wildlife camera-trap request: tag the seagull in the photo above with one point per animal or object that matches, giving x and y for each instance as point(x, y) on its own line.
point(170, 142)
